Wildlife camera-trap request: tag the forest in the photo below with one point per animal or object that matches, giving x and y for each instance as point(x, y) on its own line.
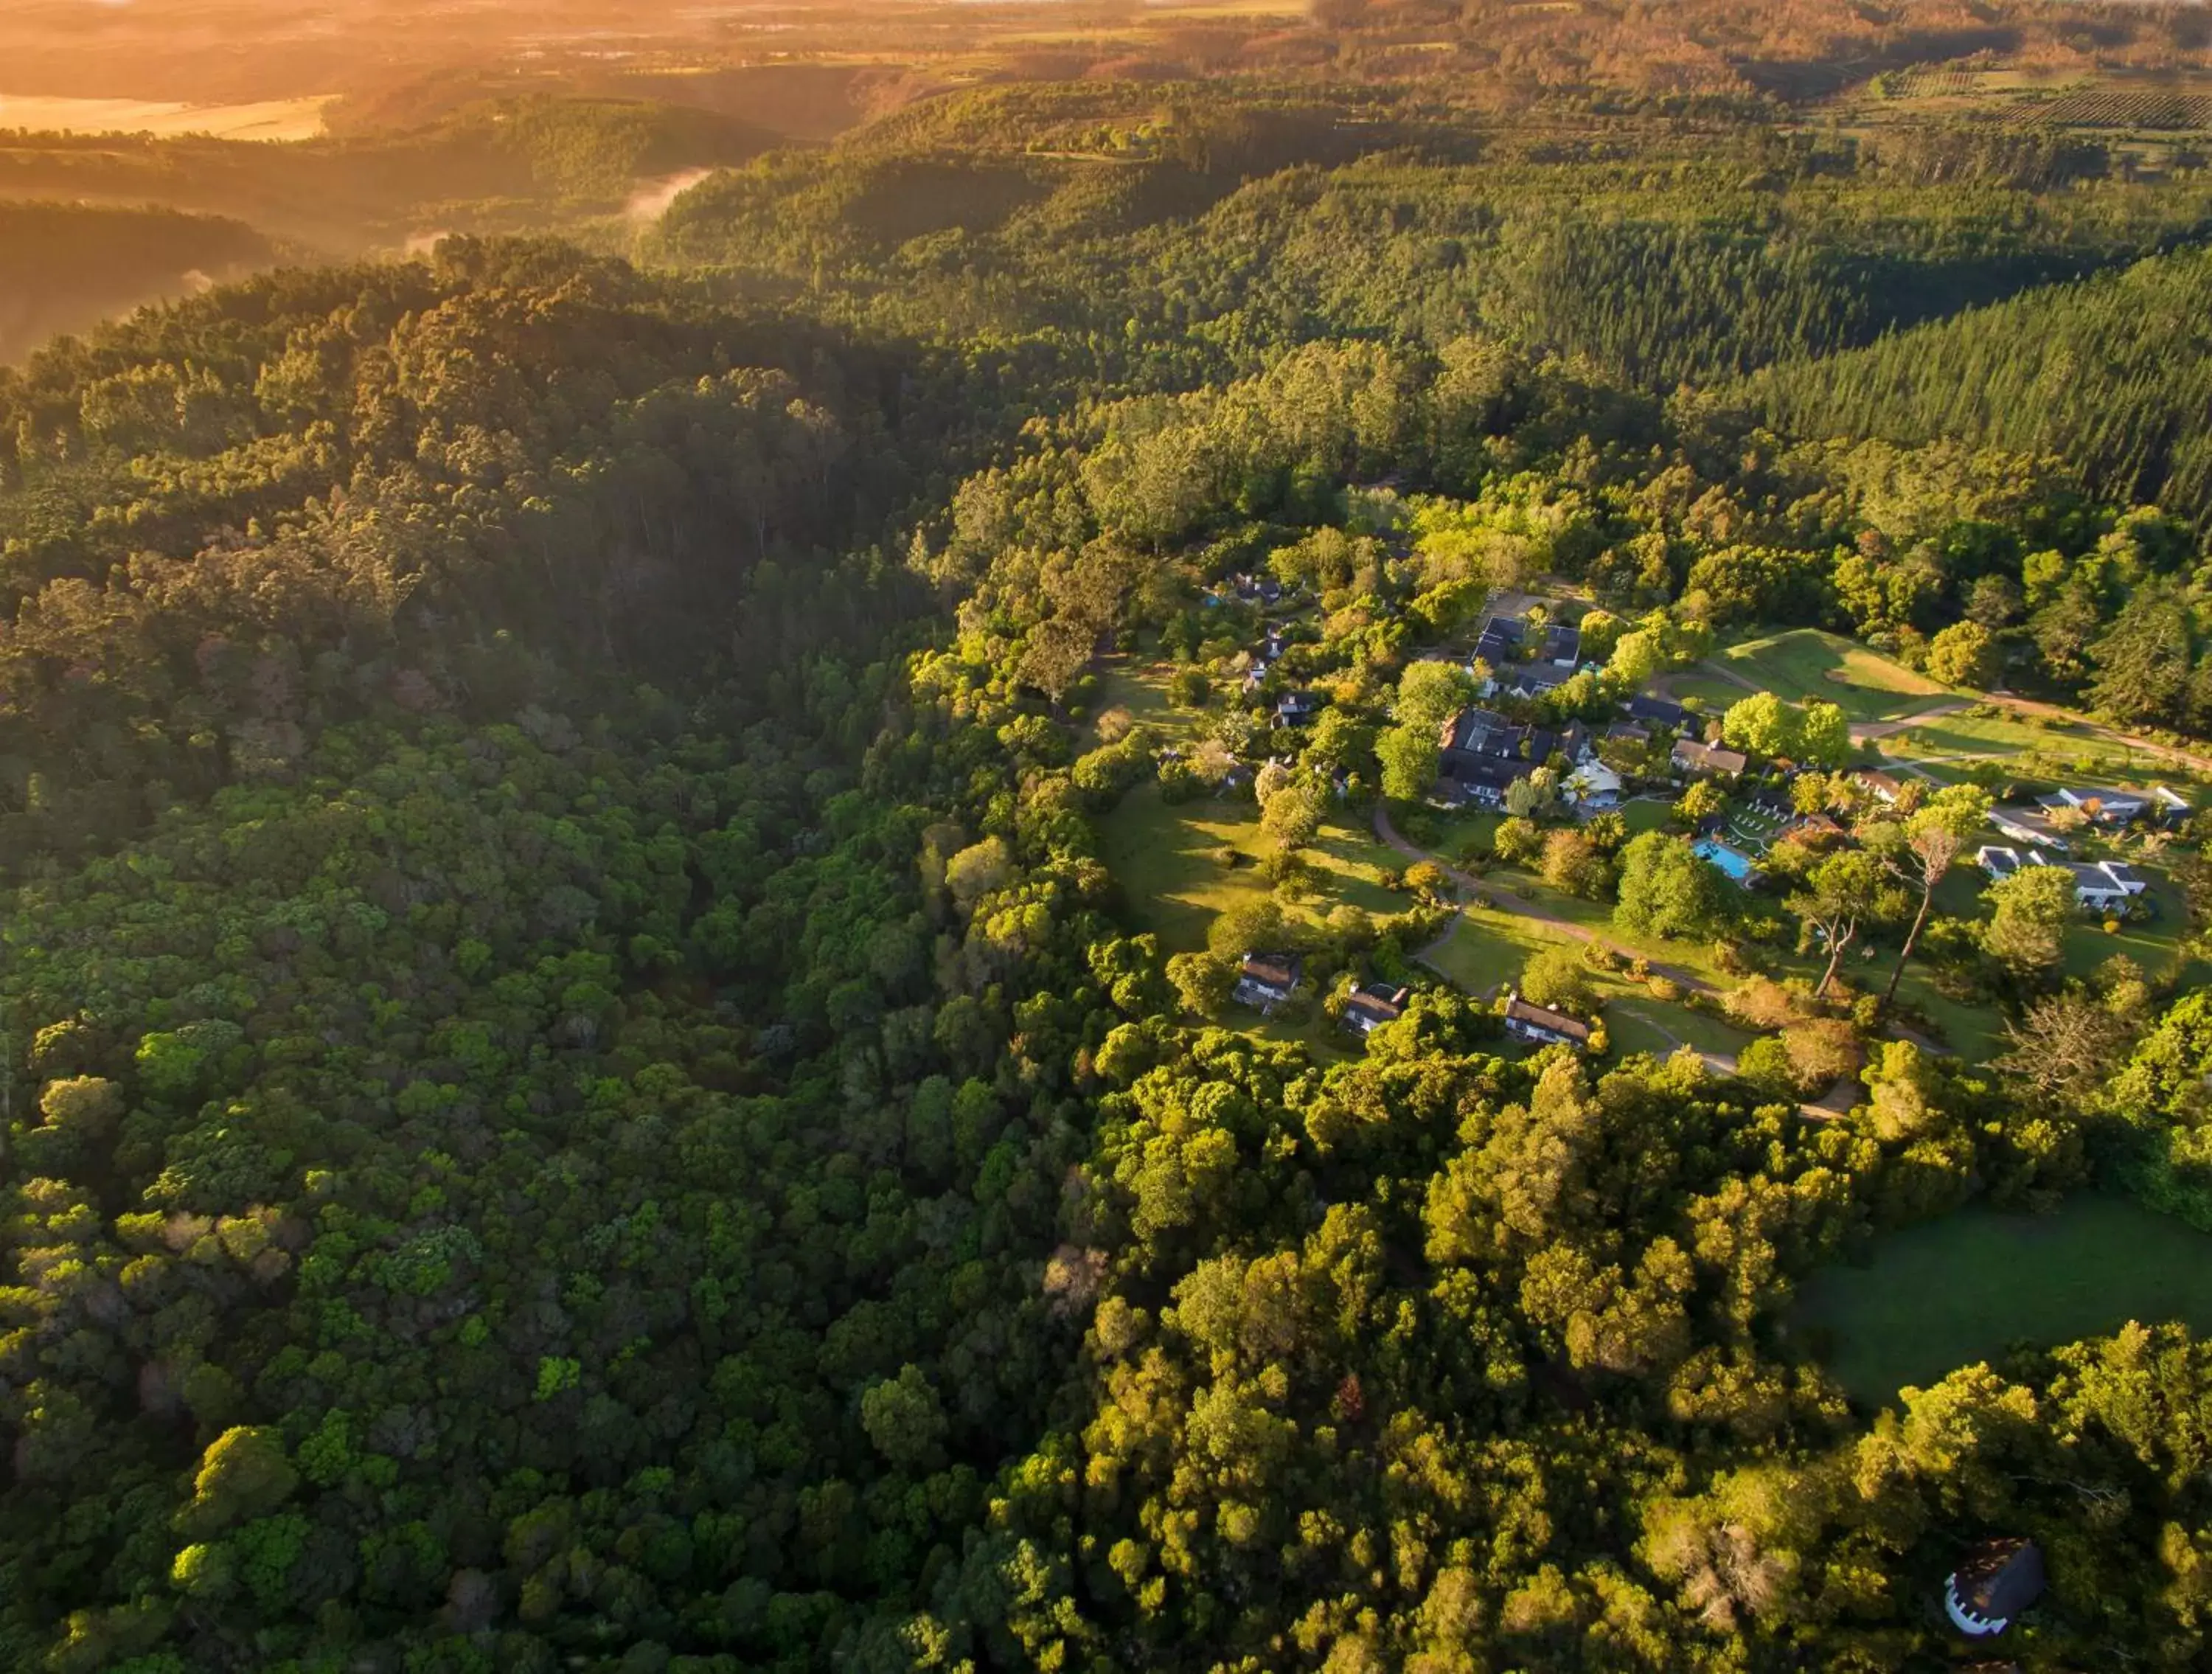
point(593, 1076)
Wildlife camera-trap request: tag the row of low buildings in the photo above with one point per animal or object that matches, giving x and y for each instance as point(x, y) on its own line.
point(1266, 981)
point(2101, 885)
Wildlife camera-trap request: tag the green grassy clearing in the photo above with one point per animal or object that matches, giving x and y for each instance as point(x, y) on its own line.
point(1716, 693)
point(1162, 854)
point(1806, 663)
point(1487, 949)
point(1963, 1289)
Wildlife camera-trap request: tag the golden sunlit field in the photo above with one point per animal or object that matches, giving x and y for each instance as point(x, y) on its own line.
point(263, 119)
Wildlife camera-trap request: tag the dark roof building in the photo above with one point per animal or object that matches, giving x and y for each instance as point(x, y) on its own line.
point(1297, 707)
point(1563, 644)
point(1996, 1581)
point(1658, 711)
point(1373, 1004)
point(1266, 980)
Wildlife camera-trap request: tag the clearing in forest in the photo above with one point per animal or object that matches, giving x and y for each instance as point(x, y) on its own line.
point(1964, 1287)
point(1807, 663)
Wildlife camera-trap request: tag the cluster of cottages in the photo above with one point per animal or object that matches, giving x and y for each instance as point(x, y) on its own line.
point(1553, 659)
point(1481, 753)
point(1266, 981)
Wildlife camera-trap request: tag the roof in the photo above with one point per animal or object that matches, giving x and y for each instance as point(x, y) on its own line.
point(1999, 1579)
point(2121, 872)
point(1562, 642)
point(1629, 729)
point(1883, 784)
point(1299, 700)
point(1377, 1002)
point(1534, 676)
point(1690, 753)
point(1280, 970)
point(1658, 709)
point(1997, 862)
point(1518, 1010)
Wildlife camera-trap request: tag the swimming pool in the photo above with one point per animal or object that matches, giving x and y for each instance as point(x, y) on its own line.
point(1733, 861)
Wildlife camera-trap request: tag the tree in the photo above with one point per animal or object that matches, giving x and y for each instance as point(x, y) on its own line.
point(1761, 724)
point(905, 1420)
point(1965, 654)
point(1838, 894)
point(1409, 757)
point(1430, 693)
point(243, 1473)
point(1823, 735)
point(1667, 888)
point(1249, 926)
point(2143, 660)
point(1571, 862)
point(1701, 800)
point(2034, 906)
point(1638, 656)
point(1203, 982)
point(1557, 978)
point(1920, 854)
point(1292, 816)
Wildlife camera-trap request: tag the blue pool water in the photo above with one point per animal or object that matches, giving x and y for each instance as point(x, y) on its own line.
point(1736, 864)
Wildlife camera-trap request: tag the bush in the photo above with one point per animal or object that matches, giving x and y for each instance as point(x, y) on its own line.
point(1663, 987)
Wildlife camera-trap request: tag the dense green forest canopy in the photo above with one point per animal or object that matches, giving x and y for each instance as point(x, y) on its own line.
point(581, 1090)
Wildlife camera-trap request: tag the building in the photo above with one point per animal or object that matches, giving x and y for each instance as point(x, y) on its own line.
point(1816, 828)
point(1995, 1582)
point(1529, 680)
point(1485, 752)
point(1542, 1025)
point(1563, 645)
point(1627, 732)
point(1884, 787)
point(1500, 641)
point(1595, 785)
point(1658, 711)
point(1371, 1005)
point(2099, 807)
point(2029, 825)
point(1695, 757)
point(2104, 885)
point(2099, 885)
point(2170, 808)
point(1297, 707)
point(1264, 981)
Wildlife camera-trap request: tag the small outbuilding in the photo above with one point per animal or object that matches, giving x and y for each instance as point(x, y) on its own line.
point(1997, 1581)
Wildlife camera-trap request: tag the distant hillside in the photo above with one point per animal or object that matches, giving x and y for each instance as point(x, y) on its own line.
point(2113, 372)
point(508, 166)
point(65, 266)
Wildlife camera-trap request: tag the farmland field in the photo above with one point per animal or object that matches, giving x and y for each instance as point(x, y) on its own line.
point(265, 119)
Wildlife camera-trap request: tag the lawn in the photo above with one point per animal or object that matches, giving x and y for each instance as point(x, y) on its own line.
point(1806, 663)
point(1163, 855)
point(1964, 1287)
point(1489, 948)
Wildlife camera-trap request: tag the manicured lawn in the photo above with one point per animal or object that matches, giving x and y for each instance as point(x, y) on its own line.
point(1644, 814)
point(1717, 693)
point(1639, 1023)
point(1488, 948)
point(1964, 1287)
point(1163, 856)
point(1806, 662)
